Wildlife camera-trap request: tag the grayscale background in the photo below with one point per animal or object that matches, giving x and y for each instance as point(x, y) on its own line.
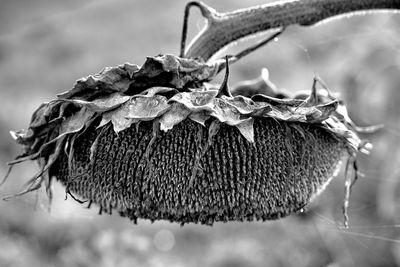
point(45, 45)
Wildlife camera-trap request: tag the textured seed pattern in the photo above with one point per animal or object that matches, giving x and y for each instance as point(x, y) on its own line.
point(235, 179)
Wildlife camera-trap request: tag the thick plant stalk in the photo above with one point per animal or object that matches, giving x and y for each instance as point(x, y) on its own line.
point(224, 28)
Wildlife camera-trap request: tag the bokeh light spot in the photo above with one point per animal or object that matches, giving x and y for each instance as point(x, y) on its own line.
point(164, 240)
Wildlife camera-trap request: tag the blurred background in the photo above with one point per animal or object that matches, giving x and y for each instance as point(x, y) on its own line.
point(45, 45)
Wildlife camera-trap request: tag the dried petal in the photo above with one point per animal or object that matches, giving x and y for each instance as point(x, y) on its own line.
point(174, 71)
point(199, 117)
point(104, 103)
point(227, 113)
point(146, 108)
point(157, 90)
point(177, 113)
point(75, 123)
point(243, 104)
point(246, 128)
point(108, 80)
point(197, 101)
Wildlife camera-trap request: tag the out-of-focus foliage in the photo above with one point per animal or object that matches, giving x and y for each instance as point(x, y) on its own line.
point(42, 53)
